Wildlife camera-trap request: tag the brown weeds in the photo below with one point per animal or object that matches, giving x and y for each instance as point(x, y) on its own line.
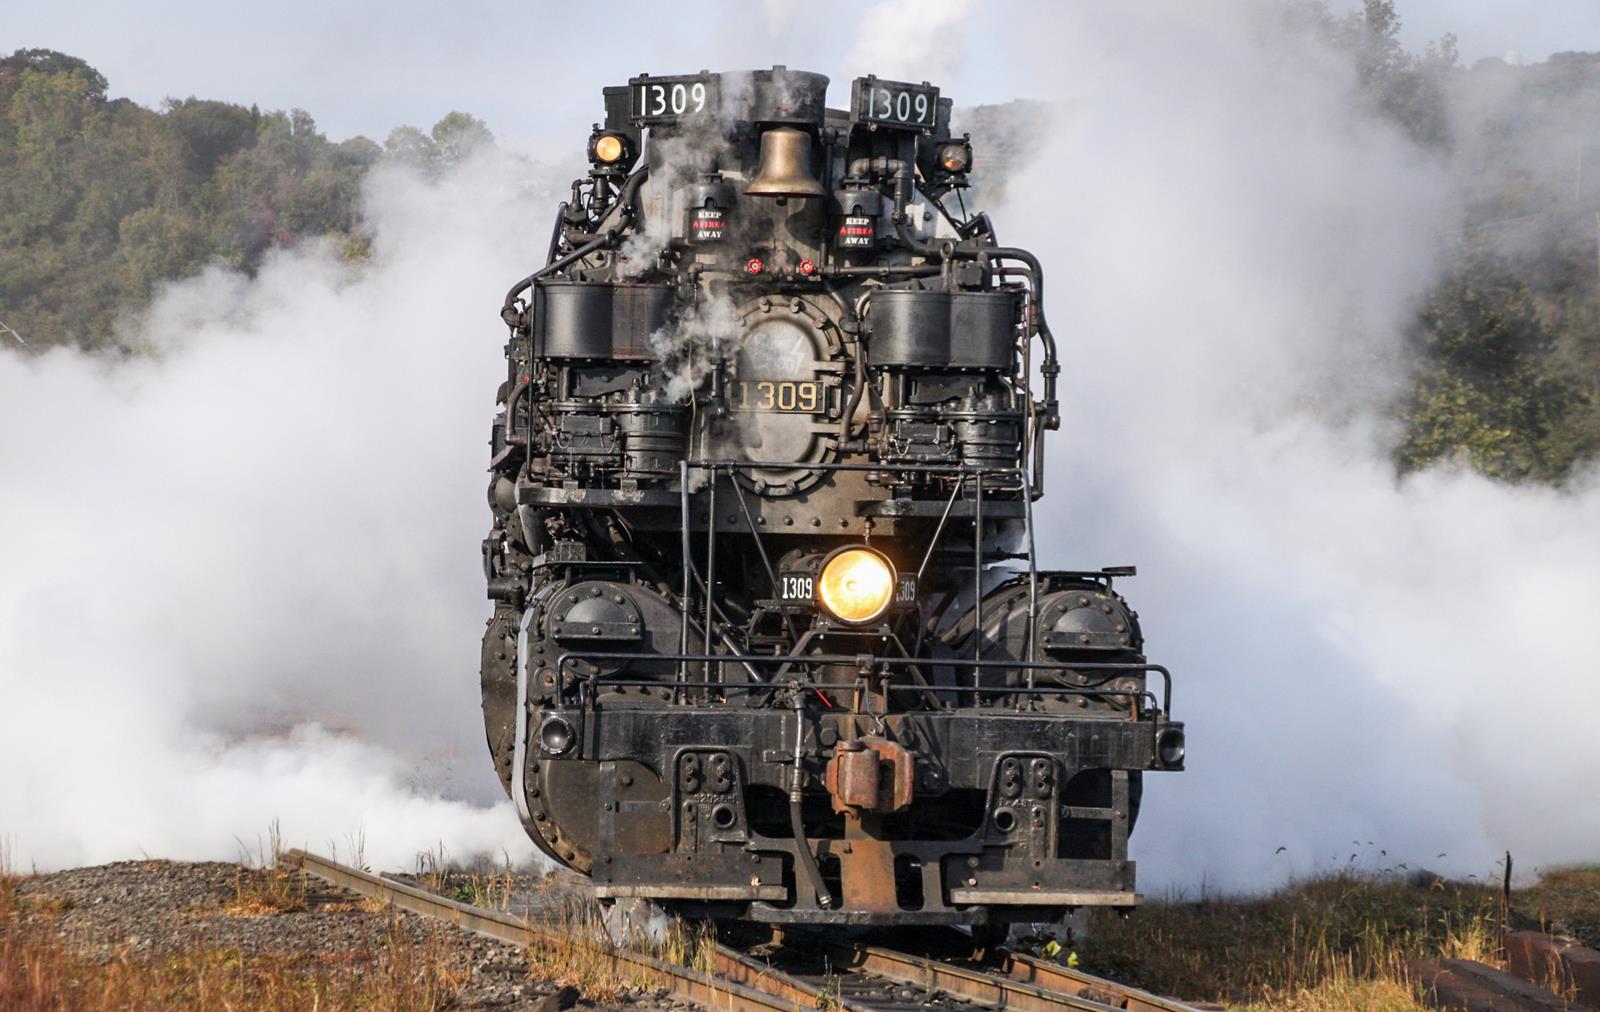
point(38, 973)
point(1341, 942)
point(261, 892)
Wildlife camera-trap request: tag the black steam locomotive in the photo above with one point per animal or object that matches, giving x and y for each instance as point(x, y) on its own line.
point(769, 638)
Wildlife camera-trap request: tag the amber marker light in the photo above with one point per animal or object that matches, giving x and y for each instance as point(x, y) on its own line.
point(608, 148)
point(857, 585)
point(955, 157)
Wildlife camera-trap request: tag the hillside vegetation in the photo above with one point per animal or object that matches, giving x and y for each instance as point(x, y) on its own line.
point(101, 200)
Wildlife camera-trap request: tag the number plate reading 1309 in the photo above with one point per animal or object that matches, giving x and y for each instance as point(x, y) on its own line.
point(803, 396)
point(894, 103)
point(663, 99)
point(796, 587)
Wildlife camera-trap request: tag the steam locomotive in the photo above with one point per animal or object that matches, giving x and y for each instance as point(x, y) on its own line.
point(770, 639)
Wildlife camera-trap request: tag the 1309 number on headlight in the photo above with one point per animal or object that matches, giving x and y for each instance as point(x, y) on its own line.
point(797, 588)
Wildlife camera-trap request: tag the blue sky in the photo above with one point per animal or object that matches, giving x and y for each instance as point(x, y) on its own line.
point(534, 70)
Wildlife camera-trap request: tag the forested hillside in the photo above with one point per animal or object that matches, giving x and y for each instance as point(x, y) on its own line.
point(102, 199)
point(1509, 342)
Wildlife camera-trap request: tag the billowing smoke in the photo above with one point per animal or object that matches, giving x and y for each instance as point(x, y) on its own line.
point(910, 40)
point(239, 579)
point(1390, 671)
point(698, 336)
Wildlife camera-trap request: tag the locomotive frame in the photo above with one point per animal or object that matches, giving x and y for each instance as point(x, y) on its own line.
point(760, 458)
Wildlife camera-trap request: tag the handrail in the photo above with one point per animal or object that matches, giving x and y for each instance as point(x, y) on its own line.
point(872, 660)
point(959, 468)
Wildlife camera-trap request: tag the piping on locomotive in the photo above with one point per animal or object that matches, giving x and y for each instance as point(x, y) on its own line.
point(769, 637)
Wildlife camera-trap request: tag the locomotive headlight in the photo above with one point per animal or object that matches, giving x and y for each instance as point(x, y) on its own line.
point(955, 157)
point(856, 585)
point(608, 148)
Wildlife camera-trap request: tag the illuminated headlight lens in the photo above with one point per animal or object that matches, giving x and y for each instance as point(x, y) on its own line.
point(955, 157)
point(857, 585)
point(556, 735)
point(608, 148)
point(1170, 747)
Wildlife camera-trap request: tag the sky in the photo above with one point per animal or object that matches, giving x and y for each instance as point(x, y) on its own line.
point(366, 67)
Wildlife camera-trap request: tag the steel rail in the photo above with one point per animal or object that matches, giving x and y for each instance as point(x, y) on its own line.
point(1055, 977)
point(741, 983)
point(984, 989)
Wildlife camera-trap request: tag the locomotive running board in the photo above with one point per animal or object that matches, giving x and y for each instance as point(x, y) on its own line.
point(667, 891)
point(1042, 898)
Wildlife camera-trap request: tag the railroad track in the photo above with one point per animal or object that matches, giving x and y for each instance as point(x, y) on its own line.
point(791, 969)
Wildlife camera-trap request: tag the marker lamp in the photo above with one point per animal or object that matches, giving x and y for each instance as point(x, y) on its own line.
point(955, 157)
point(609, 148)
point(1171, 747)
point(856, 585)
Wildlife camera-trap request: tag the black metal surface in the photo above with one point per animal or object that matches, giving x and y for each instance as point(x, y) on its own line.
point(691, 426)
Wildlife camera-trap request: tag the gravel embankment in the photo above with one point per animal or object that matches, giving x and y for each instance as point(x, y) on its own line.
point(155, 908)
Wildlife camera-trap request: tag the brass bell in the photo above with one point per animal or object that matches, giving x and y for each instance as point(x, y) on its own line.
point(785, 169)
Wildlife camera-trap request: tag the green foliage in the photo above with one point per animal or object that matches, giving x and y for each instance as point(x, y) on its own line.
point(102, 200)
point(1494, 393)
point(1407, 88)
point(1508, 344)
point(451, 140)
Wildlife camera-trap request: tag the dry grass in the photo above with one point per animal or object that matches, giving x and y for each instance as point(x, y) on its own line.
point(261, 892)
point(579, 953)
point(39, 972)
point(481, 883)
point(1338, 942)
point(1565, 901)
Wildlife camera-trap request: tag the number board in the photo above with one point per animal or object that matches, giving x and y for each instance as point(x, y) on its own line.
point(894, 103)
point(796, 587)
point(802, 396)
point(905, 591)
point(655, 100)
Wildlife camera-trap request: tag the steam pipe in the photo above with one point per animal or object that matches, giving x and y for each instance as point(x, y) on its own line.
point(796, 824)
point(513, 437)
point(710, 581)
point(688, 561)
point(977, 564)
point(555, 231)
point(881, 271)
point(630, 190)
point(855, 394)
point(852, 316)
point(899, 172)
point(1033, 577)
point(1050, 368)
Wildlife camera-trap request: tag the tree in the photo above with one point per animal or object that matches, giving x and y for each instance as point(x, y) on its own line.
point(1491, 392)
point(102, 200)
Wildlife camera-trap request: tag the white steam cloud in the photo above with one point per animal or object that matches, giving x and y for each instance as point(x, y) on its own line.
point(909, 40)
point(1398, 672)
point(239, 580)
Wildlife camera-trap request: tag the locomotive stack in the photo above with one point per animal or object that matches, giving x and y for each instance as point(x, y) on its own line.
point(769, 638)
